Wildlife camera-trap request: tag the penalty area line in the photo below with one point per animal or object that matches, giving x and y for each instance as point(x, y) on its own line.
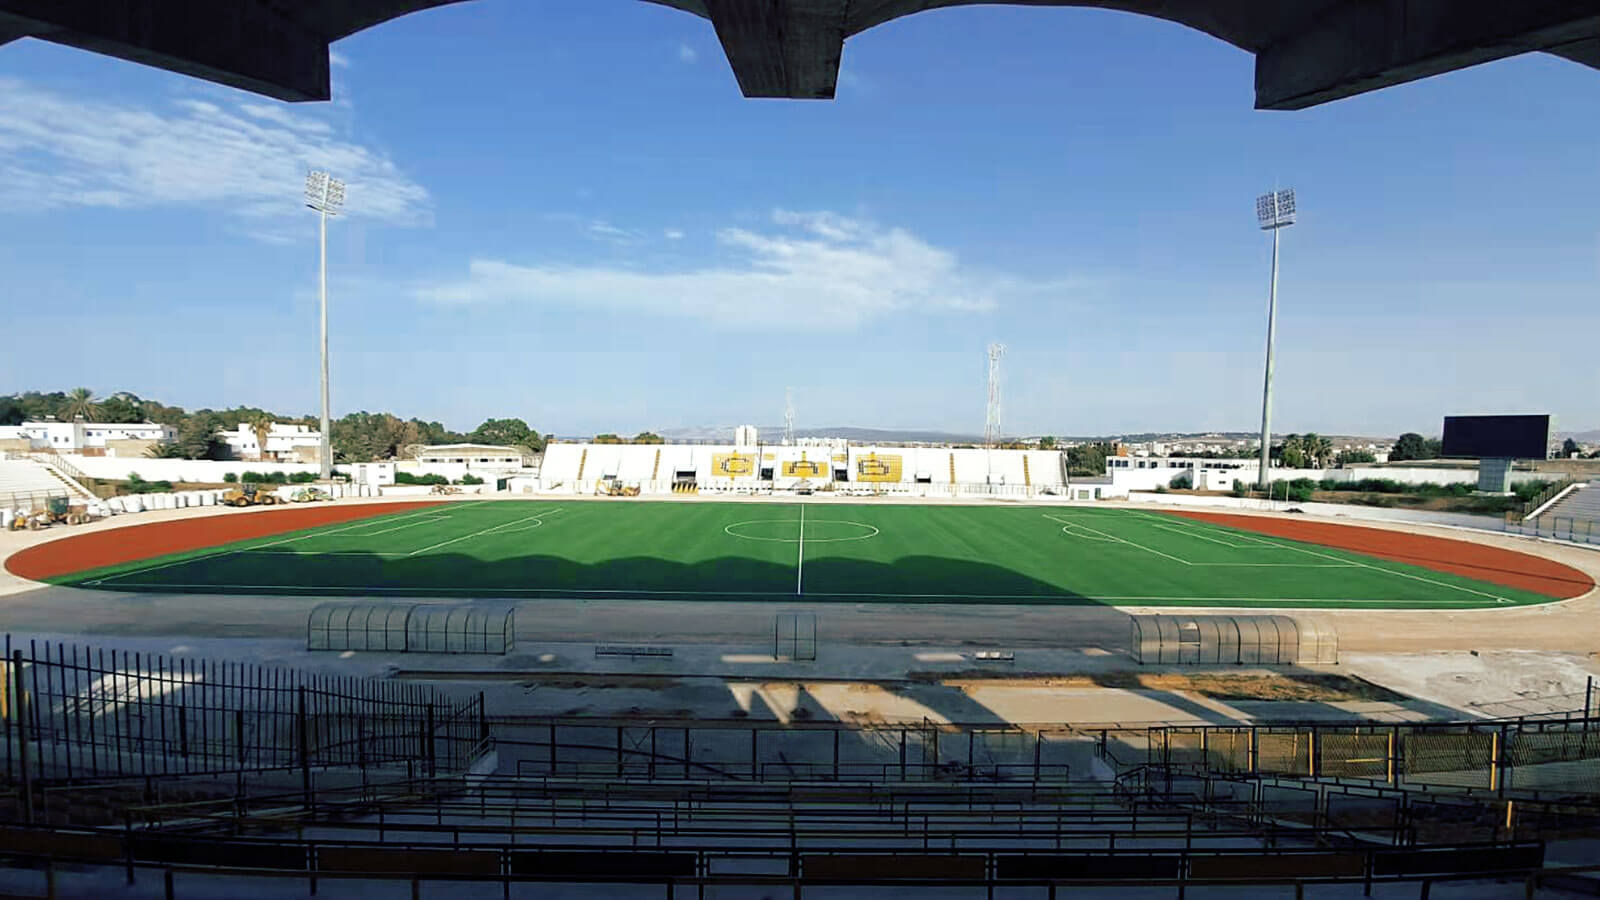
point(1120, 540)
point(490, 530)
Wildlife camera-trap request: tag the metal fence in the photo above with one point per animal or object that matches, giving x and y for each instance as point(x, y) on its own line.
point(777, 752)
point(71, 714)
point(1538, 758)
point(1515, 516)
point(1561, 528)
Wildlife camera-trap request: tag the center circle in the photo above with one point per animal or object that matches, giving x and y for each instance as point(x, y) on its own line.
point(787, 531)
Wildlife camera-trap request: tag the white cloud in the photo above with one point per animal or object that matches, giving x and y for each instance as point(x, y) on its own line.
point(687, 54)
point(672, 234)
point(246, 158)
point(840, 271)
point(607, 231)
point(338, 60)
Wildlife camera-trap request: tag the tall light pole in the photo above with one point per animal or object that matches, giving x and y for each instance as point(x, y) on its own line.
point(1275, 212)
point(325, 194)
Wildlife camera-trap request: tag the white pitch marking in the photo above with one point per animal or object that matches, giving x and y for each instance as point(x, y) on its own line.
point(178, 562)
point(1121, 540)
point(254, 547)
point(310, 554)
point(422, 521)
point(489, 530)
point(326, 532)
point(800, 564)
point(1193, 532)
point(728, 530)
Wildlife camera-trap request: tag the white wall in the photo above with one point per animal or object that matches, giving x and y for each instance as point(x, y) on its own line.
point(199, 470)
point(1144, 479)
point(1334, 510)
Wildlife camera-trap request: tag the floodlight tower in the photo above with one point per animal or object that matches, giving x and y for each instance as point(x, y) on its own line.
point(991, 424)
point(788, 417)
point(1274, 212)
point(325, 194)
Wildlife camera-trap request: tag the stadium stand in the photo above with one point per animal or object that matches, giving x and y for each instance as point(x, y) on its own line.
point(196, 773)
point(1575, 517)
point(658, 469)
point(1582, 503)
point(25, 481)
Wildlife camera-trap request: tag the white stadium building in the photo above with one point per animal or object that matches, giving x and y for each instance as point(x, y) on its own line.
point(584, 468)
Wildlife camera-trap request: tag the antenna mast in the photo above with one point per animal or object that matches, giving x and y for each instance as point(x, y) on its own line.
point(788, 416)
point(991, 425)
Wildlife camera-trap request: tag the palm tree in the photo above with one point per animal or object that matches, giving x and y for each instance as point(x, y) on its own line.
point(262, 426)
point(80, 403)
point(1317, 448)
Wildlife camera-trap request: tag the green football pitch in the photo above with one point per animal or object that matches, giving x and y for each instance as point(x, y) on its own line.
point(822, 551)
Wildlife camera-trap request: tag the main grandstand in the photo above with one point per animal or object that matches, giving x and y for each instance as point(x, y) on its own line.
point(836, 466)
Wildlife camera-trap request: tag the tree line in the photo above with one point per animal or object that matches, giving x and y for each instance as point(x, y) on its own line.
point(357, 437)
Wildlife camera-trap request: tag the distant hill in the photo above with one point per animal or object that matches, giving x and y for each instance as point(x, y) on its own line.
point(863, 435)
point(1583, 437)
point(916, 436)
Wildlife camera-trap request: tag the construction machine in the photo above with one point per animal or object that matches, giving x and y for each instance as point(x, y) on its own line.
point(613, 487)
point(249, 495)
point(310, 495)
point(56, 511)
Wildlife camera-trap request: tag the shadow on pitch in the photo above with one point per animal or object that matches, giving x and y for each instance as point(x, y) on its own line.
point(910, 579)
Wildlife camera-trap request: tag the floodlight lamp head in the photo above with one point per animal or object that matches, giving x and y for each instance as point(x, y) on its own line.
point(1275, 210)
point(324, 193)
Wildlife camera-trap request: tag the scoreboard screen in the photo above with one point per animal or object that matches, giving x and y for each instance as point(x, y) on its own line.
point(1491, 437)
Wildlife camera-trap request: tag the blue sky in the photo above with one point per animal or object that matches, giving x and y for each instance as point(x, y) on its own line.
point(566, 212)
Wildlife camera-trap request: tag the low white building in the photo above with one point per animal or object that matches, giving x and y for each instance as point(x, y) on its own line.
point(474, 456)
point(1129, 473)
point(285, 443)
point(88, 438)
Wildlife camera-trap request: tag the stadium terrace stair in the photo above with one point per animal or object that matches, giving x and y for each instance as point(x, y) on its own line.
point(1582, 504)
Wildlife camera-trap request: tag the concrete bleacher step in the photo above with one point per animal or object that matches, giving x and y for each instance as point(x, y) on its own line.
point(26, 480)
point(1582, 504)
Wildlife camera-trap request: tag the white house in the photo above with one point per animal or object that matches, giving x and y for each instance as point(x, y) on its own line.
point(285, 443)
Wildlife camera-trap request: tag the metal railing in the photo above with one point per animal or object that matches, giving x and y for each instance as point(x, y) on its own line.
point(794, 869)
point(1533, 758)
point(1515, 516)
point(771, 752)
point(76, 715)
point(53, 458)
point(1560, 528)
point(31, 499)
